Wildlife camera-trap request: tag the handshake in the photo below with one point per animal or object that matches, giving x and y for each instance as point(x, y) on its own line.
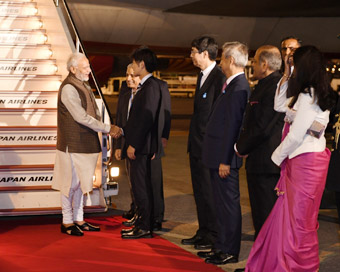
point(115, 131)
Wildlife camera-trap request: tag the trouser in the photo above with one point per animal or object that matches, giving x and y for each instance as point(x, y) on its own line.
point(72, 206)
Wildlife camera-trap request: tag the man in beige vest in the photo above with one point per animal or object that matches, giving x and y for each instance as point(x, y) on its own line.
point(78, 144)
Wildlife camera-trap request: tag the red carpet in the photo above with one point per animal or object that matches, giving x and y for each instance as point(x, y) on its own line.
point(36, 244)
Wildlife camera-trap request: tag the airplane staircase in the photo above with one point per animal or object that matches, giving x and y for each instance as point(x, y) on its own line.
point(35, 42)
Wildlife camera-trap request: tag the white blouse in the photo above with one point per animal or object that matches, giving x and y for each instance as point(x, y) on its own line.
point(306, 112)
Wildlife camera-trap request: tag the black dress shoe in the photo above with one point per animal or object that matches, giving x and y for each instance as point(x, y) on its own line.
point(206, 254)
point(222, 258)
point(129, 214)
point(71, 230)
point(131, 222)
point(191, 241)
point(87, 227)
point(239, 270)
point(157, 226)
point(137, 233)
point(127, 230)
point(203, 244)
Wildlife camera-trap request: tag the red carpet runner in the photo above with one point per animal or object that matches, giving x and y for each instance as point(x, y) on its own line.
point(36, 244)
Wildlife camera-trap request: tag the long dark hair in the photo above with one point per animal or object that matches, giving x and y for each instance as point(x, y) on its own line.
point(310, 71)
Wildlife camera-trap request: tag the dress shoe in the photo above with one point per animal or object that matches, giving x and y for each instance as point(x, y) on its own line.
point(222, 258)
point(203, 245)
point(137, 233)
point(131, 222)
point(127, 230)
point(87, 227)
point(129, 214)
point(239, 270)
point(192, 240)
point(157, 226)
point(71, 230)
point(206, 254)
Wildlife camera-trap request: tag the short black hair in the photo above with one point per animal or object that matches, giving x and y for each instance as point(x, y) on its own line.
point(206, 43)
point(145, 54)
point(291, 38)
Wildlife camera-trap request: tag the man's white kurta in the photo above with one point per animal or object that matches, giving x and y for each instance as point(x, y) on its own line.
point(84, 163)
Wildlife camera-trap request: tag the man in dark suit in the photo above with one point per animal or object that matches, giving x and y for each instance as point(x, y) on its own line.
point(127, 91)
point(142, 134)
point(218, 154)
point(261, 134)
point(209, 84)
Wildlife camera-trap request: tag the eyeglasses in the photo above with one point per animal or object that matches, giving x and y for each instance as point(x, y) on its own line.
point(290, 48)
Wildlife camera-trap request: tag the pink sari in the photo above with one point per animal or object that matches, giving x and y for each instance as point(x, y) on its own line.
point(288, 240)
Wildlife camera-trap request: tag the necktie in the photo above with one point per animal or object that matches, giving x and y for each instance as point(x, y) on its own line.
point(198, 84)
point(224, 86)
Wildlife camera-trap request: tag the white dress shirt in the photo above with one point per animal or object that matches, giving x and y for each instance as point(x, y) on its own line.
point(297, 140)
point(206, 72)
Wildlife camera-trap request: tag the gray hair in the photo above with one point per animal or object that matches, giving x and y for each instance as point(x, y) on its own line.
point(271, 54)
point(238, 51)
point(74, 59)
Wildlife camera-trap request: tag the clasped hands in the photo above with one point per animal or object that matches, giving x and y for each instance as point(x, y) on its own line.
point(115, 131)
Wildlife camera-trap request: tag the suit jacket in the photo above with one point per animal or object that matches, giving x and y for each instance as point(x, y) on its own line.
point(142, 128)
point(203, 103)
point(224, 125)
point(262, 128)
point(122, 111)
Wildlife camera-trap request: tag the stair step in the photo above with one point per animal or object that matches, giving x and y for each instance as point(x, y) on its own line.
point(27, 155)
point(41, 51)
point(30, 82)
point(20, 22)
point(17, 8)
point(15, 176)
point(28, 117)
point(28, 136)
point(23, 36)
point(27, 100)
point(28, 67)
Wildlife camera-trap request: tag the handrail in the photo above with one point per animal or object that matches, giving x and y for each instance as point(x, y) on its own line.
point(79, 45)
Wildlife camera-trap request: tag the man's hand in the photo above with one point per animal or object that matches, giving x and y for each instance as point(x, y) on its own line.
point(118, 154)
point(224, 170)
point(164, 142)
point(115, 131)
point(131, 152)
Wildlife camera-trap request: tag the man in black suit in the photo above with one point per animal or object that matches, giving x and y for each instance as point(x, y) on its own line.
point(127, 92)
point(209, 84)
point(142, 134)
point(261, 134)
point(218, 154)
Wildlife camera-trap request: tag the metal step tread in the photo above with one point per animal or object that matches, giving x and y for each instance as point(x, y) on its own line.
point(23, 30)
point(14, 128)
point(27, 109)
point(33, 167)
point(20, 16)
point(53, 61)
point(19, 3)
point(28, 147)
point(25, 45)
point(32, 76)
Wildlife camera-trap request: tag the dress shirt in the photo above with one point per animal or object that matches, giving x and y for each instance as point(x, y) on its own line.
point(206, 72)
point(297, 140)
point(229, 79)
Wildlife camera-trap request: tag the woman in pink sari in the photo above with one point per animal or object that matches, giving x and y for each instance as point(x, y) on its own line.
point(288, 240)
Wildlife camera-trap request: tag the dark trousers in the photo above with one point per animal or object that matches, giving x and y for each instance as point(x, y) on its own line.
point(142, 191)
point(203, 195)
point(157, 189)
point(229, 218)
point(262, 197)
